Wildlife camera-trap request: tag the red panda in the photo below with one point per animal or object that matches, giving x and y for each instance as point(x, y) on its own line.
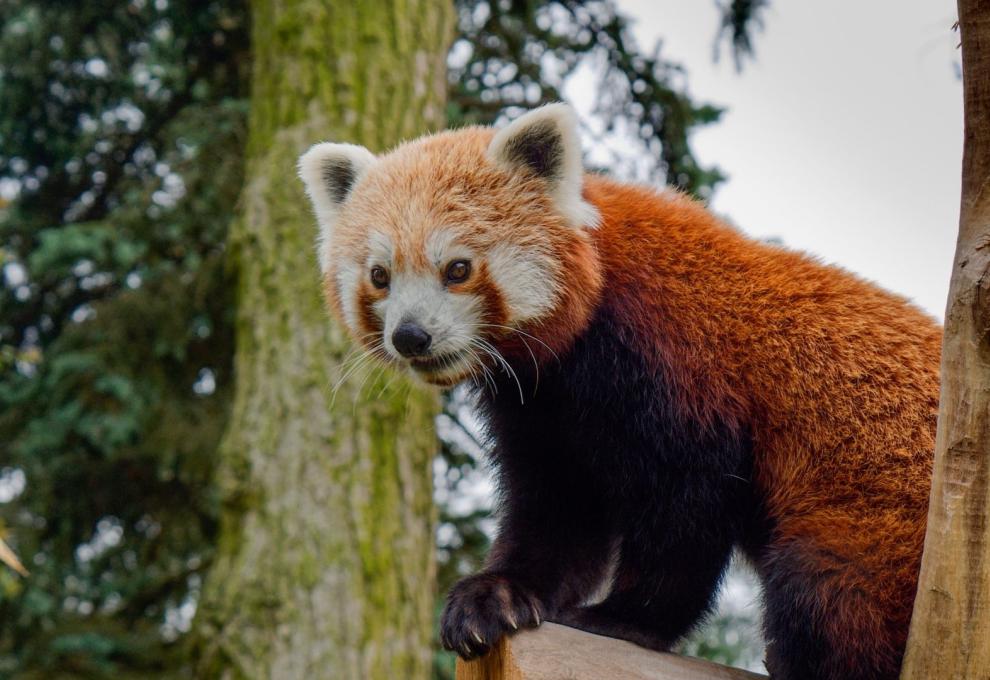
point(658, 390)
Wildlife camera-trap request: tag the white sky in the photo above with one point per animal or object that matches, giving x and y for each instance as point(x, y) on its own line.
point(843, 138)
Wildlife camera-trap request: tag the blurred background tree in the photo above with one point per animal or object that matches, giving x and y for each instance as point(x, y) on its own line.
point(324, 562)
point(123, 133)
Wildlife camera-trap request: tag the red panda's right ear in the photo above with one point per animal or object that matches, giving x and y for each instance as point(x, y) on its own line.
point(545, 142)
point(330, 172)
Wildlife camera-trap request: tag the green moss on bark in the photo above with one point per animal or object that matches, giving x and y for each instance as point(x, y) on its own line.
point(325, 559)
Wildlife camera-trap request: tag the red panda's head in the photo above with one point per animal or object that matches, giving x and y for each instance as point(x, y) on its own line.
point(458, 246)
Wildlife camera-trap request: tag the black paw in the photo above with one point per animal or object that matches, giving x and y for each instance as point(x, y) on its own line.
point(481, 609)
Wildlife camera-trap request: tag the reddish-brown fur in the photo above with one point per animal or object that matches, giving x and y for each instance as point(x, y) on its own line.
point(836, 380)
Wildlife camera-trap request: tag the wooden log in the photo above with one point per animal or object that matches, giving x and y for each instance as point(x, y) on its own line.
point(553, 652)
point(950, 630)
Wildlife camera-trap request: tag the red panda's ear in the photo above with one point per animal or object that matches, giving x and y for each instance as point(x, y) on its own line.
point(545, 142)
point(330, 172)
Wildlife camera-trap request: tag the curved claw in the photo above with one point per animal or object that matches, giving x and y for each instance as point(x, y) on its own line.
point(481, 609)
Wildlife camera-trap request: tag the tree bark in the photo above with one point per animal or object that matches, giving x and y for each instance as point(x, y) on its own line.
point(950, 630)
point(325, 560)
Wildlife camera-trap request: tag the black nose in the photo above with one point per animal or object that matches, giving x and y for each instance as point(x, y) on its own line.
point(410, 340)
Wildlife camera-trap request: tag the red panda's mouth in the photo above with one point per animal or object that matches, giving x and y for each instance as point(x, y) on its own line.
point(437, 362)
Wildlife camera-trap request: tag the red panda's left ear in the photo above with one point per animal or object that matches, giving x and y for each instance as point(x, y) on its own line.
point(545, 142)
point(330, 172)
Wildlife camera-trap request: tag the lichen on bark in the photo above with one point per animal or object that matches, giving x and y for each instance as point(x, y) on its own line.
point(325, 560)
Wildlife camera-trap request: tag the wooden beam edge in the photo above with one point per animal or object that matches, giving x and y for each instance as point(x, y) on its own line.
point(555, 652)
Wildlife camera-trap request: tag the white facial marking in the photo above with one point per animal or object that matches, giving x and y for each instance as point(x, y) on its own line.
point(526, 279)
point(442, 247)
point(380, 249)
point(348, 278)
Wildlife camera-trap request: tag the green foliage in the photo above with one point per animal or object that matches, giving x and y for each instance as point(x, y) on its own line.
point(121, 128)
point(122, 135)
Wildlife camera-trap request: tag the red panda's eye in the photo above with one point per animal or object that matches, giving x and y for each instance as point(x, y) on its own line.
point(379, 277)
point(458, 271)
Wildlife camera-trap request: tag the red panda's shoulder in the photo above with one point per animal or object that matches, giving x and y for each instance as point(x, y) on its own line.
point(645, 218)
point(737, 320)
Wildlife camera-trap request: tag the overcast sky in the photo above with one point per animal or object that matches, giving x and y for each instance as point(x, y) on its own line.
point(843, 138)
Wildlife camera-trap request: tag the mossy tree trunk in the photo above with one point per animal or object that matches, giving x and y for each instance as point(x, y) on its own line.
point(325, 562)
point(950, 631)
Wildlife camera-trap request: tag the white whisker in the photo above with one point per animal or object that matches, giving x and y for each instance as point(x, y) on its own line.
point(361, 361)
point(523, 333)
point(360, 389)
point(484, 371)
point(493, 351)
